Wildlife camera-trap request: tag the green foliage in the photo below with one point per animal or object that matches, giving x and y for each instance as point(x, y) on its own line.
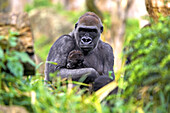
point(132, 25)
point(37, 4)
point(12, 71)
point(107, 20)
point(148, 73)
point(11, 58)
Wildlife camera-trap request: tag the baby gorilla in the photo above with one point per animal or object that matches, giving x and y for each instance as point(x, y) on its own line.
point(75, 60)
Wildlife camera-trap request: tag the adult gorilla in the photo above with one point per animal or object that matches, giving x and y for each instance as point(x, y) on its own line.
point(98, 56)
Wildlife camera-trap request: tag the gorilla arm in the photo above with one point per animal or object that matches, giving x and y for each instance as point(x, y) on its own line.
point(76, 74)
point(58, 53)
point(109, 60)
point(108, 66)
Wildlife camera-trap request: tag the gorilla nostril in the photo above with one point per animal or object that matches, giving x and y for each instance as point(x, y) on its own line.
point(86, 40)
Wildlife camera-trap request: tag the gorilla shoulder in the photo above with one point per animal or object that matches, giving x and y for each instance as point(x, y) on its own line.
point(61, 47)
point(106, 50)
point(105, 47)
point(65, 42)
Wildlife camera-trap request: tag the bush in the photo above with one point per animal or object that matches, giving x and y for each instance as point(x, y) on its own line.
point(12, 71)
point(148, 73)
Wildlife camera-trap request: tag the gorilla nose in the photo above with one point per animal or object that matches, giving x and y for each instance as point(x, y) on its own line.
point(86, 40)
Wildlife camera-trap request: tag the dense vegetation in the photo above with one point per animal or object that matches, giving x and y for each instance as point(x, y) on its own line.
point(147, 76)
point(143, 87)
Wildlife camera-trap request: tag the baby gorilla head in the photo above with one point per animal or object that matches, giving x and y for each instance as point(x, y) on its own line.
point(75, 59)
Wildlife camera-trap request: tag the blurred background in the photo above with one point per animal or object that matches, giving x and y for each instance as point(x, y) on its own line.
point(52, 18)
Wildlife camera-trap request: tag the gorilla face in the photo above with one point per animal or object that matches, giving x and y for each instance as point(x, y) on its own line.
point(87, 37)
point(87, 32)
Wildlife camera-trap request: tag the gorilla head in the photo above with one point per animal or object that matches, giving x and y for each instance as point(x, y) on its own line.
point(87, 31)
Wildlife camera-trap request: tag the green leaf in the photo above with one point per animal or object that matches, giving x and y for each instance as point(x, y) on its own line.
point(39, 65)
point(15, 67)
point(162, 97)
point(13, 33)
point(51, 62)
point(2, 65)
point(24, 57)
point(12, 41)
point(1, 53)
point(110, 75)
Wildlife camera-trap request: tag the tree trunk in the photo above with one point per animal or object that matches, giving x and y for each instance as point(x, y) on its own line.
point(155, 7)
point(92, 7)
point(118, 29)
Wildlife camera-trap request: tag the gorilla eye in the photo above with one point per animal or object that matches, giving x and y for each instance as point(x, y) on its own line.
point(81, 29)
point(101, 29)
point(93, 30)
point(87, 30)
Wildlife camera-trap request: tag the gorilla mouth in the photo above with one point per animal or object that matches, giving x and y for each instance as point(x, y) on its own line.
point(86, 48)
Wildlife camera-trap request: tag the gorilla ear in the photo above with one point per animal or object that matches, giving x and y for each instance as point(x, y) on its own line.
point(101, 29)
point(76, 25)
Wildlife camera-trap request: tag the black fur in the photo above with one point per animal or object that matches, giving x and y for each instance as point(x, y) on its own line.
point(75, 60)
point(98, 55)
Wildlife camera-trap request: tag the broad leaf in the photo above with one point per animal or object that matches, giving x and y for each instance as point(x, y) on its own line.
point(24, 57)
point(12, 41)
point(15, 67)
point(1, 53)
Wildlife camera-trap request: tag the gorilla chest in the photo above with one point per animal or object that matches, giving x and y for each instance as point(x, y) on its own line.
point(94, 61)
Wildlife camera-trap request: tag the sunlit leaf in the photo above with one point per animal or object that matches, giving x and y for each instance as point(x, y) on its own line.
point(98, 106)
point(80, 83)
point(110, 75)
point(51, 62)
point(104, 91)
point(140, 110)
point(33, 97)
